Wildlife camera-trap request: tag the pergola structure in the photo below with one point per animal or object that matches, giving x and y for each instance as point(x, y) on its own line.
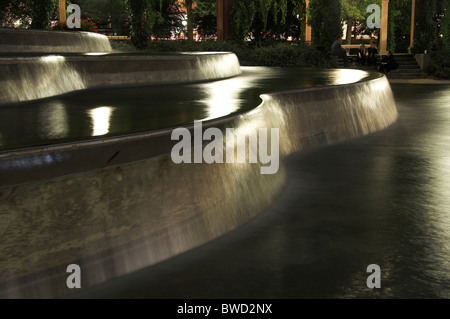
point(224, 8)
point(62, 10)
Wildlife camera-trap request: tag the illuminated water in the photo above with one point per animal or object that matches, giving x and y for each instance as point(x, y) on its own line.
point(381, 199)
point(109, 112)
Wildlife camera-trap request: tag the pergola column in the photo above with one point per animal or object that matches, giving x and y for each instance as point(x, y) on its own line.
point(384, 26)
point(307, 27)
point(224, 8)
point(62, 10)
point(413, 21)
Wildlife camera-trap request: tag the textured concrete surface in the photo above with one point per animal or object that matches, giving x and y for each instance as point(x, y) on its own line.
point(118, 217)
point(29, 41)
point(31, 78)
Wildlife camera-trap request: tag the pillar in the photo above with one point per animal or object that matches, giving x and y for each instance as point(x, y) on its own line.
point(384, 26)
point(224, 8)
point(307, 27)
point(413, 21)
point(62, 10)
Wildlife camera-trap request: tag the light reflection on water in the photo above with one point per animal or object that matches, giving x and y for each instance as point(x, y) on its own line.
point(346, 76)
point(101, 120)
point(383, 199)
point(140, 109)
point(53, 121)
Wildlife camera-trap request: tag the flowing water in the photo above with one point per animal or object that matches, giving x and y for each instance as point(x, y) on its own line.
point(109, 112)
point(381, 199)
point(101, 210)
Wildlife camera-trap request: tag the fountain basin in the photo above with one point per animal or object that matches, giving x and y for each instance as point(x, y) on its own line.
point(119, 204)
point(40, 41)
point(37, 77)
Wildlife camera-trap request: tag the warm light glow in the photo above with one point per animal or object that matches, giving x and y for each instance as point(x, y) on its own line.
point(53, 121)
point(223, 97)
point(380, 85)
point(96, 53)
point(52, 58)
point(101, 118)
point(346, 76)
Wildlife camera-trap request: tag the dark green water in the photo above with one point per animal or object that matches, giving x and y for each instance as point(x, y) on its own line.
point(383, 199)
point(111, 112)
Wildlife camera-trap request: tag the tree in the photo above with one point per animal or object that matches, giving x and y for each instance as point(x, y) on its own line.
point(169, 19)
point(41, 12)
point(445, 24)
point(243, 15)
point(399, 25)
point(140, 22)
point(105, 12)
point(261, 17)
point(325, 21)
point(159, 17)
point(3, 5)
point(190, 19)
point(205, 17)
point(12, 11)
point(426, 33)
point(354, 13)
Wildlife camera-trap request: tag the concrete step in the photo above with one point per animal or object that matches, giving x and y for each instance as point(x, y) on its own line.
point(408, 70)
point(409, 66)
point(402, 75)
point(404, 57)
point(407, 62)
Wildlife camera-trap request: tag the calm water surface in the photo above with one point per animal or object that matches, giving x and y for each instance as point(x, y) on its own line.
point(110, 112)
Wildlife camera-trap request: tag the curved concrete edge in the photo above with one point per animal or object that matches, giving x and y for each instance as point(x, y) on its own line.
point(40, 41)
point(31, 78)
point(119, 218)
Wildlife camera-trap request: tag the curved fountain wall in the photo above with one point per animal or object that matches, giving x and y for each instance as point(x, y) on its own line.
point(39, 64)
point(116, 205)
point(31, 78)
point(39, 41)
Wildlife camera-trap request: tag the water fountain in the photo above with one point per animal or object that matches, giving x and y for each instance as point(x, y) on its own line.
point(116, 204)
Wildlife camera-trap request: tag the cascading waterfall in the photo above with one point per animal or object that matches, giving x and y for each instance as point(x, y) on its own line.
point(117, 205)
point(27, 79)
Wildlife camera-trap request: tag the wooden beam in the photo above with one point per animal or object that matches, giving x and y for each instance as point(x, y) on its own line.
point(384, 26)
point(307, 27)
point(62, 10)
point(413, 21)
point(224, 8)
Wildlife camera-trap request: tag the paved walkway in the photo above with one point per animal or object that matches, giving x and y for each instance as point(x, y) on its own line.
point(428, 80)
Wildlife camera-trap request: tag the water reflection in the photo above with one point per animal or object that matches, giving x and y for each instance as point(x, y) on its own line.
point(53, 121)
point(436, 189)
point(346, 76)
point(141, 109)
point(96, 53)
point(223, 97)
point(101, 119)
point(383, 199)
point(52, 58)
